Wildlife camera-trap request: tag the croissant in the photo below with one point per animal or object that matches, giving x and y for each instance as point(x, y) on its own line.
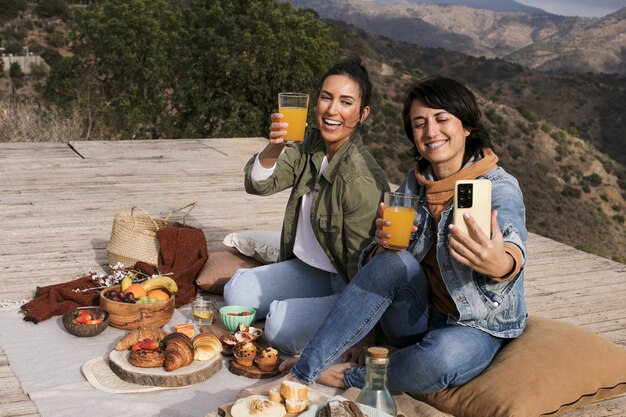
point(139, 334)
point(206, 346)
point(178, 351)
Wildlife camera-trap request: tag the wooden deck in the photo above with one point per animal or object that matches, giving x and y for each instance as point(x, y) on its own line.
point(58, 200)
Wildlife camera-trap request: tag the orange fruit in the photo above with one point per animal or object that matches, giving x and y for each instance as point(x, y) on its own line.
point(137, 290)
point(159, 295)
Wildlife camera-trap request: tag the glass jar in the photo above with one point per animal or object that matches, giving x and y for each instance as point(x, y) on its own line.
point(202, 310)
point(375, 392)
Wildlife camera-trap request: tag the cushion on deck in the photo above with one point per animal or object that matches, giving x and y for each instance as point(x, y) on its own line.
point(263, 246)
point(554, 367)
point(220, 267)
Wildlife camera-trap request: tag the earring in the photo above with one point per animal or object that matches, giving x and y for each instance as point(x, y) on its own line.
point(418, 158)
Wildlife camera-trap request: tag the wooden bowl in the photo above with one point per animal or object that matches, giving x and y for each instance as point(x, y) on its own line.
point(129, 316)
point(86, 330)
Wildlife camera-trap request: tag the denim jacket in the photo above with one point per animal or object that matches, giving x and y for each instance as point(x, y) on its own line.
point(497, 308)
point(345, 201)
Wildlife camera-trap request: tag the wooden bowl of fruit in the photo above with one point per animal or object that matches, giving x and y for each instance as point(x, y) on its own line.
point(86, 321)
point(150, 303)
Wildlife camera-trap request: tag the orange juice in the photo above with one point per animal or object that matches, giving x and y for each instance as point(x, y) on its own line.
point(401, 219)
point(296, 117)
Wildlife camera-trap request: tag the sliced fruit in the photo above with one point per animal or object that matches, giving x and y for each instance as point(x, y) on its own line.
point(160, 281)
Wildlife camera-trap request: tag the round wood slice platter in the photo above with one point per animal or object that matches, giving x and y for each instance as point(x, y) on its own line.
point(193, 373)
point(251, 371)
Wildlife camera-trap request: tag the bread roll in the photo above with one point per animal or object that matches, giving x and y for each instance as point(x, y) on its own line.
point(295, 406)
point(206, 346)
point(274, 395)
point(294, 391)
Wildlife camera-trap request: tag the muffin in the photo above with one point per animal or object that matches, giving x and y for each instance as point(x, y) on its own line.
point(245, 354)
point(267, 359)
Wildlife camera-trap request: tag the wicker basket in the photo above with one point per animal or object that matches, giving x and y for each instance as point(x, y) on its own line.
point(133, 236)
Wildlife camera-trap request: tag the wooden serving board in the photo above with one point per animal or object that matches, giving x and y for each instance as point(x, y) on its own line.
point(251, 371)
point(193, 373)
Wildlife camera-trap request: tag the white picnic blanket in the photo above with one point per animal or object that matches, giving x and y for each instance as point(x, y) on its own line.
point(47, 360)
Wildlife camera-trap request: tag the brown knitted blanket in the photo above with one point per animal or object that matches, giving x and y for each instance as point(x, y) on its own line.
point(182, 254)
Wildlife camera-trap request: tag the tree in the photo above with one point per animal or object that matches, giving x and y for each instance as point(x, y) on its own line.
point(192, 68)
point(121, 64)
point(15, 71)
point(51, 8)
point(243, 54)
point(10, 9)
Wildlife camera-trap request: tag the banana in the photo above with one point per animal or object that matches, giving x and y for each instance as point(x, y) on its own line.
point(160, 281)
point(127, 281)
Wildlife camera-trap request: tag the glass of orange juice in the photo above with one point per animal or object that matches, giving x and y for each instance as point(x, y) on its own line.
point(400, 212)
point(294, 107)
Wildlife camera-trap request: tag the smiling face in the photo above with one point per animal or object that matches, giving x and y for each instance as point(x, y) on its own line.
point(439, 137)
point(339, 110)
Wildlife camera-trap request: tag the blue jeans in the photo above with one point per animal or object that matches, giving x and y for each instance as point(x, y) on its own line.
point(432, 355)
point(292, 296)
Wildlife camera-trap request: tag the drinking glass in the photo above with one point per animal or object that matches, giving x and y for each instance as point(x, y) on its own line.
point(400, 211)
point(202, 310)
point(294, 108)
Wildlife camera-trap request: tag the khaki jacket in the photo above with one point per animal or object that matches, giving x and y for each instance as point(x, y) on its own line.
point(345, 202)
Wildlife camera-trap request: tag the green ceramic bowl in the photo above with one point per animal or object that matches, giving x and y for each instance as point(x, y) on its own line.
point(232, 317)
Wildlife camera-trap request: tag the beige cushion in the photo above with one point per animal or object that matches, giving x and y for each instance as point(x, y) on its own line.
point(264, 246)
point(220, 267)
point(552, 368)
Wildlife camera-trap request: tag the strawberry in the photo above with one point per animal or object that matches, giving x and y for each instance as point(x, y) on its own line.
point(246, 313)
point(148, 344)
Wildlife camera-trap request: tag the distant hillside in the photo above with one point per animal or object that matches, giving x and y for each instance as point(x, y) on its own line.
point(495, 5)
point(535, 40)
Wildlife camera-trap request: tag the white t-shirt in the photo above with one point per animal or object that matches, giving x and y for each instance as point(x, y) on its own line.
point(306, 246)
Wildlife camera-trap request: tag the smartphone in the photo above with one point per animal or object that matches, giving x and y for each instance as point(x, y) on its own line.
point(473, 197)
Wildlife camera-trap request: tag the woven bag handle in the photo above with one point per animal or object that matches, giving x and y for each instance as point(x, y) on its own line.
point(191, 206)
point(132, 215)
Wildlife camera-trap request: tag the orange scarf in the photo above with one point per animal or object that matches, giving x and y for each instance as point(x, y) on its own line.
point(440, 193)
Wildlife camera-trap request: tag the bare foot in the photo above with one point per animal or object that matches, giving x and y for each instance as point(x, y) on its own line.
point(287, 364)
point(265, 388)
point(333, 376)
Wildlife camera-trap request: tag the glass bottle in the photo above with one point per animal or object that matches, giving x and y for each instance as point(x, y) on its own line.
point(375, 392)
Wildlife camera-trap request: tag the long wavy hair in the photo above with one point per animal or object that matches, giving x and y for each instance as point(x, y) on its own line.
point(445, 93)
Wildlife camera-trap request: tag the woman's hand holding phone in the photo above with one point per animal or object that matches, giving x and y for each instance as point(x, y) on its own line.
point(486, 255)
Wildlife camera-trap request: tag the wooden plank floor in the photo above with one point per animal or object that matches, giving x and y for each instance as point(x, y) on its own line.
point(58, 201)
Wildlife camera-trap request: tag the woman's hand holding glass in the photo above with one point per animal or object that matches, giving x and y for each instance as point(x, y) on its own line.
point(278, 129)
point(381, 234)
point(486, 255)
point(269, 155)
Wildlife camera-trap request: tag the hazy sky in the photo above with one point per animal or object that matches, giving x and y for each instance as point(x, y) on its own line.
point(586, 8)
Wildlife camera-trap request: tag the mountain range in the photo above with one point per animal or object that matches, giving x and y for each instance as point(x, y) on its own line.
point(492, 29)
